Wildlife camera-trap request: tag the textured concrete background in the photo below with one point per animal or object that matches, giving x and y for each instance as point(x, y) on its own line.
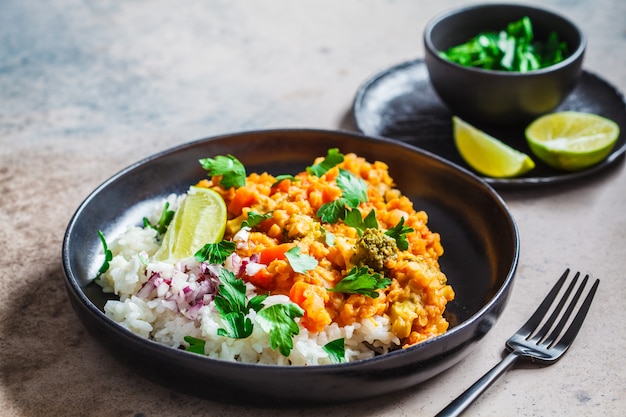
point(88, 87)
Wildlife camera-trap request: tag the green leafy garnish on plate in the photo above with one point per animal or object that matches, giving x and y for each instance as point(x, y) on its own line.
point(108, 255)
point(360, 280)
point(195, 345)
point(354, 218)
point(215, 253)
point(336, 350)
point(399, 232)
point(278, 321)
point(166, 218)
point(233, 306)
point(333, 158)
point(298, 262)
point(353, 193)
point(230, 168)
point(255, 219)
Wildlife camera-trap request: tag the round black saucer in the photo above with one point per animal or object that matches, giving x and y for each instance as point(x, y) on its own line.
point(400, 103)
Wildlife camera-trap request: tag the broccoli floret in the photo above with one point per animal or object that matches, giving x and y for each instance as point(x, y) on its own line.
point(373, 248)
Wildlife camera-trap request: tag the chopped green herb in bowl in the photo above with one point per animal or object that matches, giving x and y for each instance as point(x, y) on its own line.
point(511, 49)
point(503, 64)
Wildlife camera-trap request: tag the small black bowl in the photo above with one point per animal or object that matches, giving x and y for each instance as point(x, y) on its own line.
point(478, 234)
point(495, 97)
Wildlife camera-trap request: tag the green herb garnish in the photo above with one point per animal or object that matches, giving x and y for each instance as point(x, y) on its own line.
point(353, 192)
point(354, 189)
point(361, 281)
point(399, 232)
point(329, 238)
point(333, 158)
point(332, 212)
point(164, 221)
point(195, 345)
point(255, 219)
point(232, 171)
point(354, 219)
point(215, 253)
point(108, 255)
point(513, 49)
point(336, 350)
point(279, 321)
point(298, 262)
point(233, 306)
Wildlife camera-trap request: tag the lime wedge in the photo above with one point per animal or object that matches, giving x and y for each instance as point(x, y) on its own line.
point(572, 140)
point(488, 155)
point(200, 219)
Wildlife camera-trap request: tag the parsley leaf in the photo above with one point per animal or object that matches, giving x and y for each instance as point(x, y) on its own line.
point(279, 321)
point(232, 293)
point(256, 302)
point(195, 345)
point(233, 307)
point(361, 281)
point(255, 219)
point(232, 171)
point(354, 188)
point(353, 193)
point(164, 221)
point(329, 238)
point(336, 350)
point(333, 157)
point(238, 325)
point(215, 253)
point(300, 263)
point(108, 255)
point(399, 232)
point(355, 219)
point(333, 211)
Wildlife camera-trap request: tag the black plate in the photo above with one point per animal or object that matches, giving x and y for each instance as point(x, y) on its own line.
point(400, 103)
point(478, 234)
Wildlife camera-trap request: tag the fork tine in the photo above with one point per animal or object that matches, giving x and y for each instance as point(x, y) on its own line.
point(555, 313)
point(573, 329)
point(534, 320)
point(570, 308)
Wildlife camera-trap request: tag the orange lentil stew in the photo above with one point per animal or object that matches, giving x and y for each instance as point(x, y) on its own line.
point(372, 253)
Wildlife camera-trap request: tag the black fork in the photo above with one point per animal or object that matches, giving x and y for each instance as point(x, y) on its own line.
point(544, 338)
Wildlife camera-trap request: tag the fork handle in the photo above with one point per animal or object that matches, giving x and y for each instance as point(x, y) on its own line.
point(456, 407)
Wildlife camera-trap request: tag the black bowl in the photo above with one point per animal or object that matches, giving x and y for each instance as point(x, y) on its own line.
point(496, 97)
point(478, 234)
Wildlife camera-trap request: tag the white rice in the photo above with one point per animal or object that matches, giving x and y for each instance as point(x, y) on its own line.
point(166, 318)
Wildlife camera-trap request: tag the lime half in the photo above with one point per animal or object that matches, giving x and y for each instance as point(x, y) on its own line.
point(488, 155)
point(572, 140)
point(200, 219)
